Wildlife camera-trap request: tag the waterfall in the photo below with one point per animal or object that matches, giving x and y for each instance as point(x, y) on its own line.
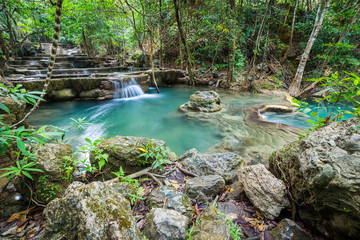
point(127, 89)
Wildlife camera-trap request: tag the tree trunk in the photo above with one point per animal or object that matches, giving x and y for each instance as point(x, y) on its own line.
point(85, 44)
point(152, 63)
point(292, 33)
point(294, 89)
point(133, 24)
point(257, 44)
point(182, 36)
point(9, 26)
point(232, 43)
point(181, 54)
point(161, 26)
point(3, 46)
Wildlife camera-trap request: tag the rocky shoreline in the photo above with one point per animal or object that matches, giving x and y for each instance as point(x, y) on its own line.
point(309, 191)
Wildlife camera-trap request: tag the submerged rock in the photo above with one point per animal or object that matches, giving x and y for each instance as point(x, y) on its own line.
point(203, 101)
point(125, 151)
point(323, 171)
point(289, 230)
point(265, 191)
point(223, 164)
point(163, 224)
point(93, 211)
point(211, 225)
point(201, 188)
point(171, 199)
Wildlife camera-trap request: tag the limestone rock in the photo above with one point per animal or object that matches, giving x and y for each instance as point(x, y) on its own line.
point(289, 230)
point(93, 211)
point(163, 224)
point(17, 112)
point(124, 151)
point(323, 171)
point(200, 188)
point(211, 225)
point(64, 94)
point(53, 181)
point(223, 164)
point(203, 101)
point(265, 191)
point(230, 210)
point(171, 199)
point(93, 93)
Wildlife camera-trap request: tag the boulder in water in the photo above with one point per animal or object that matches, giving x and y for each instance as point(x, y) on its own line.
point(323, 170)
point(203, 101)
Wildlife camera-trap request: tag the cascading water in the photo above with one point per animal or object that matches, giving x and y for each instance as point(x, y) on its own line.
point(127, 89)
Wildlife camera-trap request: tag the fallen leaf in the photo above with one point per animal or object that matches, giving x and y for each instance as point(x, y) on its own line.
point(175, 184)
point(19, 215)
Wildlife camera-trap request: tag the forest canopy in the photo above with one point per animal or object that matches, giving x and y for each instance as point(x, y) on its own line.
point(232, 36)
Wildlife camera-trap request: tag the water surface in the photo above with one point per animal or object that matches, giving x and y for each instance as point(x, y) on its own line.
point(156, 116)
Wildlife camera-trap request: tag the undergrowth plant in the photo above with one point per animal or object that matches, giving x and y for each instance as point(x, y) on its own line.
point(80, 123)
point(340, 96)
point(18, 140)
point(138, 190)
point(155, 154)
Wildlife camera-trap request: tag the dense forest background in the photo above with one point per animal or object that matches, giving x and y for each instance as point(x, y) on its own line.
point(292, 39)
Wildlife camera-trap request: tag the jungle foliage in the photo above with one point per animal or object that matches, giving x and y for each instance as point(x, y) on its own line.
point(233, 36)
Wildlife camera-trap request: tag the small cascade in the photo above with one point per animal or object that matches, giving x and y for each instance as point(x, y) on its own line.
point(127, 89)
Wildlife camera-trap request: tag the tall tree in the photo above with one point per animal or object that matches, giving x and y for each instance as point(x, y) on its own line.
point(183, 40)
point(291, 34)
point(333, 49)
point(294, 89)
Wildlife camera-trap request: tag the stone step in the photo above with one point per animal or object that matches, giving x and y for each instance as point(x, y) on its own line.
point(59, 58)
point(60, 55)
point(71, 70)
point(43, 65)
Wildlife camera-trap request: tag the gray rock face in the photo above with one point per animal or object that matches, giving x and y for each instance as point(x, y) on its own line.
point(171, 199)
point(64, 94)
point(223, 164)
point(163, 224)
point(92, 212)
point(203, 101)
point(230, 210)
point(265, 191)
point(201, 188)
point(51, 183)
point(211, 225)
point(323, 172)
point(17, 112)
point(93, 93)
point(124, 151)
point(289, 230)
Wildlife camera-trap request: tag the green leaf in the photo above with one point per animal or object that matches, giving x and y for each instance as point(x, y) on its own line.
point(27, 175)
point(21, 145)
point(4, 108)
